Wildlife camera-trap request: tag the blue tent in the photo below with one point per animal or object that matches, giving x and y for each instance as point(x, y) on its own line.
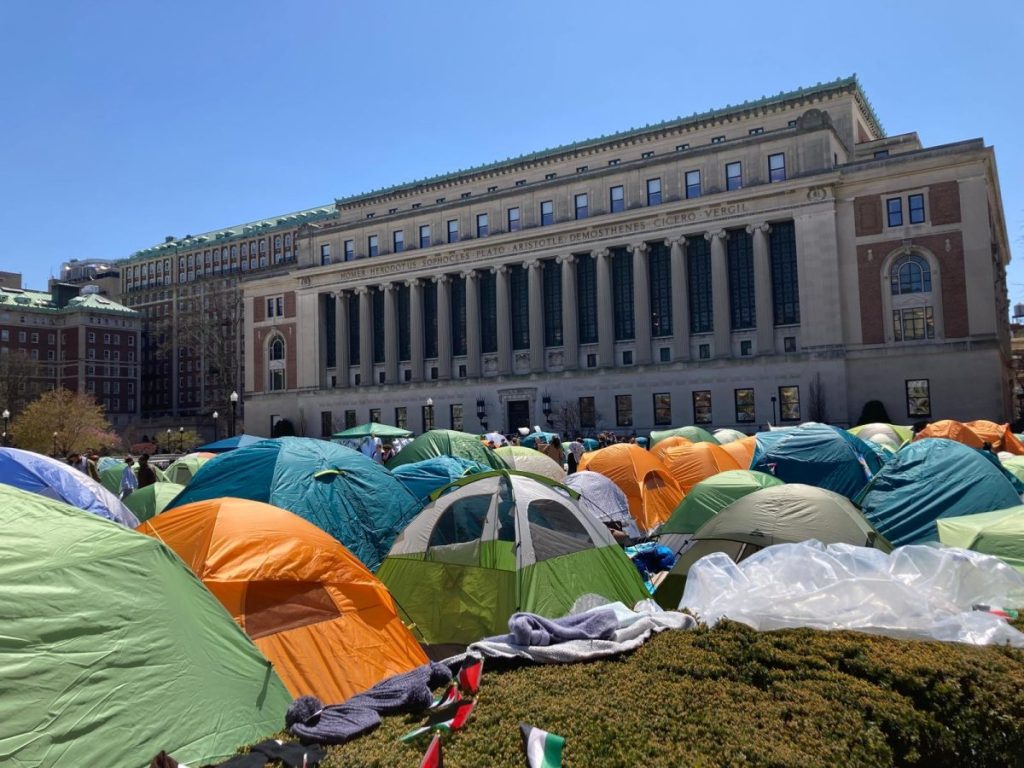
point(818, 455)
point(930, 479)
point(231, 443)
point(56, 480)
point(530, 441)
point(337, 489)
point(422, 478)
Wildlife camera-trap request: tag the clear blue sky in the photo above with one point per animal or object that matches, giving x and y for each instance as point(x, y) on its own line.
point(123, 122)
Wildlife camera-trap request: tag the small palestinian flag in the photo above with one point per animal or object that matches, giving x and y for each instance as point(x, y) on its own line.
point(469, 676)
point(543, 749)
point(433, 758)
point(448, 718)
point(450, 696)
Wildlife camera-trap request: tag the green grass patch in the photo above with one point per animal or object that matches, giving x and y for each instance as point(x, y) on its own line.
point(733, 696)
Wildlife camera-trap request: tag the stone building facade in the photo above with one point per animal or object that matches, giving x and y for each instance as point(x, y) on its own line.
point(774, 262)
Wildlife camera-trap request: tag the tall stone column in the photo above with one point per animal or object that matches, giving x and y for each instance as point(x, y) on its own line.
point(504, 320)
point(472, 324)
point(720, 293)
point(536, 313)
point(444, 327)
point(570, 312)
point(415, 328)
point(763, 290)
point(641, 303)
point(390, 334)
point(680, 299)
point(341, 339)
point(605, 310)
point(365, 336)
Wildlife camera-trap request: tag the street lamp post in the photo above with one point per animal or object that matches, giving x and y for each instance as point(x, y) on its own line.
point(7, 415)
point(428, 415)
point(55, 444)
point(181, 439)
point(234, 406)
point(167, 445)
point(215, 415)
point(773, 410)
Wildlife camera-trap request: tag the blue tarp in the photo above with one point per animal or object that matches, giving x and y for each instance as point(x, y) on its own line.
point(56, 480)
point(931, 479)
point(230, 443)
point(422, 478)
point(530, 441)
point(818, 455)
point(337, 489)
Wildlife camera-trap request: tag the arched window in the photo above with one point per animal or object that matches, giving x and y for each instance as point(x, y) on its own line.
point(276, 364)
point(277, 349)
point(910, 274)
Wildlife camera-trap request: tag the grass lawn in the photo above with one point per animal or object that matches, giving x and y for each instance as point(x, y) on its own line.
point(733, 696)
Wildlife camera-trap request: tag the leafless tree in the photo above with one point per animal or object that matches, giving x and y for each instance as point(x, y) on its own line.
point(21, 381)
point(818, 400)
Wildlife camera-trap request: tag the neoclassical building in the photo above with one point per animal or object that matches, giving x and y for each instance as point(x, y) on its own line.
point(773, 262)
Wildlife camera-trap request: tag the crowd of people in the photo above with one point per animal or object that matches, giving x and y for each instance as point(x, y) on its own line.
point(132, 479)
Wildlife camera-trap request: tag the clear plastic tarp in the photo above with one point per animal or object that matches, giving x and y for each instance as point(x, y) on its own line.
point(918, 591)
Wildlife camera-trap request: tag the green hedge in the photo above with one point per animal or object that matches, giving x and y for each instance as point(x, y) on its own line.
point(733, 696)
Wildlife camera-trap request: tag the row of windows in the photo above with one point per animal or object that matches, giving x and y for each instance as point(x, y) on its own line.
point(915, 210)
point(24, 336)
point(218, 261)
point(91, 355)
point(743, 402)
point(546, 210)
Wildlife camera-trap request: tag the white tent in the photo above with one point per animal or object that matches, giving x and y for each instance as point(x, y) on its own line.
point(603, 500)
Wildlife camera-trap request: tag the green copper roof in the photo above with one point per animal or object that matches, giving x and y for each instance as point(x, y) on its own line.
point(842, 83)
point(93, 301)
point(14, 298)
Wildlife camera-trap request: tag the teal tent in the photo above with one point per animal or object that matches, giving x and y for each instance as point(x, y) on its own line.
point(446, 442)
point(111, 649)
point(373, 429)
point(230, 444)
point(337, 489)
point(931, 479)
point(819, 455)
point(530, 441)
point(422, 478)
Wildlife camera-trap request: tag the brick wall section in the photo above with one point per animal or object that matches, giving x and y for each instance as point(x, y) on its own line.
point(258, 357)
point(944, 203)
point(867, 215)
point(951, 274)
point(289, 304)
point(259, 309)
point(291, 368)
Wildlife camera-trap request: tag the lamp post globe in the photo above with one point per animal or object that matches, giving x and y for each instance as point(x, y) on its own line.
point(234, 405)
point(7, 415)
point(215, 415)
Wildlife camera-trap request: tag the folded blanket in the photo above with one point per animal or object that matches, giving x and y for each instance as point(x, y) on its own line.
point(531, 629)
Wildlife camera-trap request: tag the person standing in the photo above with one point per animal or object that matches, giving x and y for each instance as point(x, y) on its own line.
point(146, 474)
point(128, 481)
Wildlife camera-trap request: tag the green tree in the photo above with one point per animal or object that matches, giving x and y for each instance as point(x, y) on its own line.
point(63, 419)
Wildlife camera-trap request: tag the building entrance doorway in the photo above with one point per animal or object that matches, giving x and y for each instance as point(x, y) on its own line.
point(518, 415)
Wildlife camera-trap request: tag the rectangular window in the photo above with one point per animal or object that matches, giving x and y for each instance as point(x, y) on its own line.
point(325, 254)
point(698, 261)
point(654, 191)
point(429, 319)
point(659, 280)
point(915, 204)
point(372, 245)
point(717, 139)
point(789, 344)
point(424, 236)
point(588, 413)
point(35, 338)
point(913, 324)
point(755, 131)
point(455, 416)
point(551, 288)
point(279, 306)
point(397, 241)
point(350, 419)
point(624, 410)
point(746, 348)
point(692, 184)
point(627, 357)
point(894, 209)
point(402, 292)
point(744, 406)
point(586, 293)
point(488, 311)
point(519, 306)
point(428, 417)
point(702, 406)
point(616, 161)
point(453, 230)
point(375, 415)
point(682, 147)
point(270, 307)
point(481, 225)
point(521, 182)
point(549, 176)
point(789, 403)
point(785, 286)
point(350, 250)
point(880, 153)
point(326, 423)
point(662, 409)
point(514, 220)
point(733, 176)
point(547, 213)
point(465, 195)
point(353, 329)
point(458, 319)
point(777, 167)
point(740, 266)
point(919, 401)
point(622, 294)
point(591, 360)
point(582, 169)
point(377, 315)
point(581, 205)
point(401, 417)
point(617, 199)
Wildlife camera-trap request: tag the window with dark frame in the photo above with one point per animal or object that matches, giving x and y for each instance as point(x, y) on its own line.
point(733, 176)
point(325, 254)
point(375, 415)
point(519, 307)
point(588, 413)
point(910, 274)
point(581, 205)
point(372, 245)
point(789, 403)
point(455, 415)
point(586, 299)
point(703, 351)
point(662, 409)
point(425, 239)
point(453, 230)
point(777, 167)
point(919, 401)
point(547, 213)
point(402, 307)
point(429, 319)
point(915, 204)
point(514, 221)
point(745, 413)
point(913, 324)
point(622, 294)
point(659, 280)
point(617, 199)
point(481, 225)
point(783, 264)
point(350, 250)
point(350, 419)
point(551, 287)
point(740, 268)
point(624, 410)
point(698, 259)
point(458, 318)
point(654, 191)
point(894, 210)
point(401, 417)
point(702, 406)
point(692, 184)
point(397, 241)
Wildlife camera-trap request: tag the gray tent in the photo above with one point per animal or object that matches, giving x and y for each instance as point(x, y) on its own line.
point(603, 500)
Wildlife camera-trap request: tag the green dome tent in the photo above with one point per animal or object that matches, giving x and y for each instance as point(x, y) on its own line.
point(892, 435)
point(531, 460)
point(778, 514)
point(110, 477)
point(339, 490)
point(691, 433)
point(112, 650)
point(999, 533)
point(497, 543)
point(152, 500)
point(446, 442)
point(726, 435)
point(182, 470)
point(1015, 466)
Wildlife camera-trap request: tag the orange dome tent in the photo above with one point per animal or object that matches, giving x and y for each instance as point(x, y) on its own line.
point(951, 430)
point(689, 464)
point(999, 435)
point(650, 489)
point(676, 441)
point(742, 451)
point(324, 621)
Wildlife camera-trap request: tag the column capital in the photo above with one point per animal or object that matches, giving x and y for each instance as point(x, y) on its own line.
point(499, 269)
point(412, 282)
point(638, 249)
point(386, 287)
point(362, 290)
point(764, 227)
point(679, 240)
point(601, 253)
point(566, 258)
point(439, 279)
point(720, 234)
point(469, 274)
point(531, 264)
